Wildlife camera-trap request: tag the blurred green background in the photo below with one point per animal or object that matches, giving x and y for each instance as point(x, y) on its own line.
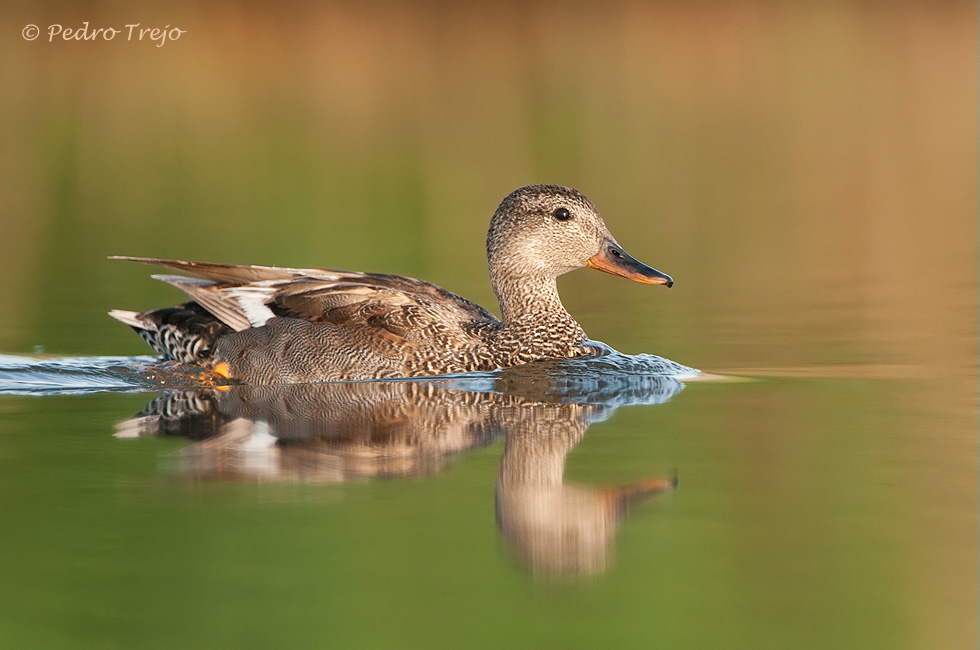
point(807, 173)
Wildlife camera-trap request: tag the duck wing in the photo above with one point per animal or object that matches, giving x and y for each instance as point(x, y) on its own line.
point(247, 296)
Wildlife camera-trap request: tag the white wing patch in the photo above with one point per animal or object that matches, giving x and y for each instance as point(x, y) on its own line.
point(253, 300)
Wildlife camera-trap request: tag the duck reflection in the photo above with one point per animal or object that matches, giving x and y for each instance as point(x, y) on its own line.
point(318, 432)
point(554, 528)
point(340, 432)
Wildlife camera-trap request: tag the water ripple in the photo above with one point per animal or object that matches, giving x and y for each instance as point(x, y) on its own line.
point(75, 375)
point(612, 378)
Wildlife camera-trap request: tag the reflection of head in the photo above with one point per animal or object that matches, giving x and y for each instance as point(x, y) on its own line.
point(556, 531)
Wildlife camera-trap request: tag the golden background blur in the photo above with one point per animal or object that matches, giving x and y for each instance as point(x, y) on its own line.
point(808, 174)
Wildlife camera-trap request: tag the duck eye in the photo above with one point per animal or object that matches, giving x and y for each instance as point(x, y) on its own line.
point(562, 214)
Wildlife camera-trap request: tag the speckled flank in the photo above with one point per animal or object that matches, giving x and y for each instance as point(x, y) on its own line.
point(336, 325)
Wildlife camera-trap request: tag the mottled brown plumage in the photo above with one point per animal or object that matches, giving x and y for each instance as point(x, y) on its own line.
point(278, 325)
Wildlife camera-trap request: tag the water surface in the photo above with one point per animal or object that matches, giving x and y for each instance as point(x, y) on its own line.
point(601, 506)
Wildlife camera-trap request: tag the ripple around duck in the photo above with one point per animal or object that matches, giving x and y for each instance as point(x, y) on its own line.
point(613, 379)
point(75, 375)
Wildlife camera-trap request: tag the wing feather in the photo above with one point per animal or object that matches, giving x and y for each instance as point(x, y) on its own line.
point(247, 296)
point(210, 296)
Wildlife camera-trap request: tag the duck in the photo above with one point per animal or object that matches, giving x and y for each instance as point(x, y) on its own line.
point(276, 325)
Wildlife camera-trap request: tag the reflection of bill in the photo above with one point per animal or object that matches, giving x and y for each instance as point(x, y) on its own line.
point(339, 432)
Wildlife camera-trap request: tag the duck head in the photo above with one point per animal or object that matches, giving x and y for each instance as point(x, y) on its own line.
point(543, 231)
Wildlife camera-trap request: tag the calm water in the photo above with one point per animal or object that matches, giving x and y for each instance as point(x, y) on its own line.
point(808, 176)
point(528, 507)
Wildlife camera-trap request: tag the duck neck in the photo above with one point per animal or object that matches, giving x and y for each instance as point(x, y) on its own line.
point(528, 299)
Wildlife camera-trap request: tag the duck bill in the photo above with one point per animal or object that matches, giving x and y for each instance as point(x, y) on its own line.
point(613, 259)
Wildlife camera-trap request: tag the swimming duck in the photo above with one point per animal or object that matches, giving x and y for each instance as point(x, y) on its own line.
point(272, 325)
